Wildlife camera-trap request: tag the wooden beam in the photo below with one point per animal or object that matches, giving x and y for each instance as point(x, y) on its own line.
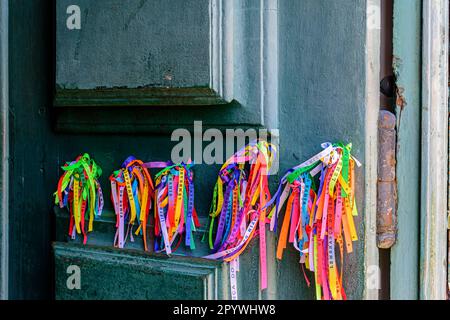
point(433, 267)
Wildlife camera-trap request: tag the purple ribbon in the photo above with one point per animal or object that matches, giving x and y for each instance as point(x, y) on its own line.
point(221, 226)
point(157, 164)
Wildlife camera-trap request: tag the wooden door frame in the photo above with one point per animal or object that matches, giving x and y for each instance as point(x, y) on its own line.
point(433, 255)
point(372, 92)
point(4, 152)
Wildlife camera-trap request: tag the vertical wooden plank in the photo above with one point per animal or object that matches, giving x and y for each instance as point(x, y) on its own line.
point(269, 52)
point(34, 166)
point(269, 101)
point(4, 153)
point(31, 217)
point(372, 85)
point(433, 268)
point(322, 88)
point(406, 63)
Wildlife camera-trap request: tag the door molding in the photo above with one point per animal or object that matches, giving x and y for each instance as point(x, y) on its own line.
point(433, 255)
point(4, 153)
point(373, 41)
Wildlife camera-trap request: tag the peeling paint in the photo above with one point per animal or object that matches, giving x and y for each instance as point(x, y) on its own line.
point(401, 99)
point(406, 64)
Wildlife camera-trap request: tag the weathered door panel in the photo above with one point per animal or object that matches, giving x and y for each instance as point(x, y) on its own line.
point(240, 68)
point(4, 153)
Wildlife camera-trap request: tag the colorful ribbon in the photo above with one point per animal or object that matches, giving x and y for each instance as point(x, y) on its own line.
point(238, 210)
point(318, 196)
point(316, 218)
point(80, 192)
point(131, 194)
point(174, 211)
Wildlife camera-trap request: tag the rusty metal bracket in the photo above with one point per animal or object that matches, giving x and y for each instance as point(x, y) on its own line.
point(386, 183)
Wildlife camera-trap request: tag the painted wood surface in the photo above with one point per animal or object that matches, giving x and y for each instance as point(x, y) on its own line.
point(322, 98)
point(33, 154)
point(240, 66)
point(319, 100)
point(407, 61)
point(4, 151)
point(434, 224)
point(107, 273)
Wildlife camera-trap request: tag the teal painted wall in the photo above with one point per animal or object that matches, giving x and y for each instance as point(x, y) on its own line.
point(321, 61)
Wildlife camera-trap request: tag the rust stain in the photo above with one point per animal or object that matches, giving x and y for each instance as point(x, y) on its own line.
point(400, 101)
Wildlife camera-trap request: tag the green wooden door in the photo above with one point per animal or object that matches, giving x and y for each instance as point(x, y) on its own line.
point(136, 70)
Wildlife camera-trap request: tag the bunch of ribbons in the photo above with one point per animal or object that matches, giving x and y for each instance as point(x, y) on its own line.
point(131, 194)
point(238, 211)
point(318, 196)
point(175, 215)
point(321, 205)
point(80, 192)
